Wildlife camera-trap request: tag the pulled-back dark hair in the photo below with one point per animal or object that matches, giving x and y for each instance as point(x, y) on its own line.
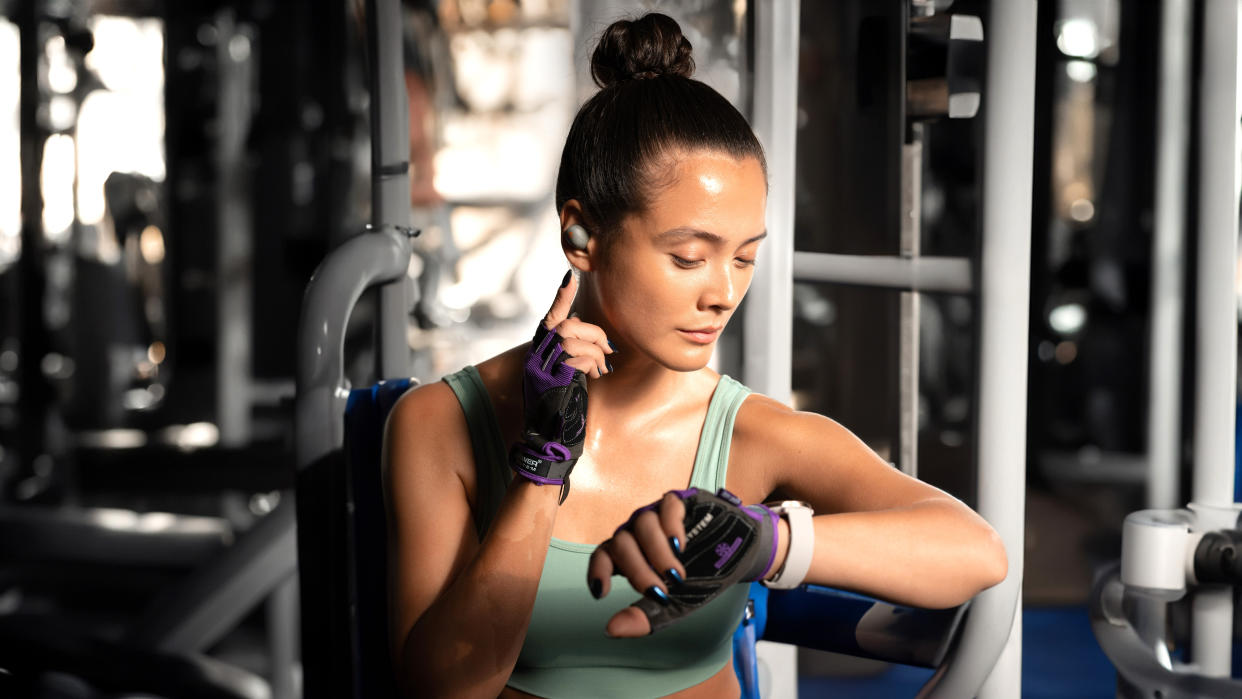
point(648, 107)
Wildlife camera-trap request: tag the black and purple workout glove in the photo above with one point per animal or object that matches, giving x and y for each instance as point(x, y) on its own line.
point(726, 543)
point(555, 407)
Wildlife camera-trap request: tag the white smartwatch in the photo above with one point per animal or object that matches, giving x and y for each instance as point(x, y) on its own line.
point(801, 544)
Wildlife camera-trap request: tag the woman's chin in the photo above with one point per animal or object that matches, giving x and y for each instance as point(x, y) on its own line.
point(689, 361)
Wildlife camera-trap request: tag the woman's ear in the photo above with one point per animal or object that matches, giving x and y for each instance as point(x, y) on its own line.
point(577, 239)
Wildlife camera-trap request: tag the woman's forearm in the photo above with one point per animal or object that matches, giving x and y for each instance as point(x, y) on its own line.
point(467, 642)
point(936, 553)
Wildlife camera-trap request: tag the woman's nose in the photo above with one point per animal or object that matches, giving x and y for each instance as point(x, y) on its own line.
point(721, 290)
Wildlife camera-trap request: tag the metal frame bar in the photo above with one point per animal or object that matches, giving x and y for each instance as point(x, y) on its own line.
point(390, 174)
point(35, 397)
point(911, 307)
point(1169, 258)
point(1217, 308)
point(234, 236)
point(988, 658)
point(283, 625)
point(768, 322)
point(1216, 320)
point(214, 599)
point(947, 274)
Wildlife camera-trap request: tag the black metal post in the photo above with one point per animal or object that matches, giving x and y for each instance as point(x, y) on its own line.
point(35, 393)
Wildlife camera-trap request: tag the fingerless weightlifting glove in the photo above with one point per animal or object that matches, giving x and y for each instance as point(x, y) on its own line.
point(554, 397)
point(726, 543)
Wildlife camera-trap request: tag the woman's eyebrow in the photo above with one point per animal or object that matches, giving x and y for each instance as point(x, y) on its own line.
point(675, 235)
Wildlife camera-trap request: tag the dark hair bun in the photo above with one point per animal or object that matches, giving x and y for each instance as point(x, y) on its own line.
point(647, 47)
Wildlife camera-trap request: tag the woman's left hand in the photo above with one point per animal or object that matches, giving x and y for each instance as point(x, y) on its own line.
point(680, 553)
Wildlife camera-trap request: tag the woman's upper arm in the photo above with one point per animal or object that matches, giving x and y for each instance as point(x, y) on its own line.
point(814, 458)
point(429, 468)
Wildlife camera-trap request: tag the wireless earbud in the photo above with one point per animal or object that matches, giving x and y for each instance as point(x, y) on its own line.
point(578, 236)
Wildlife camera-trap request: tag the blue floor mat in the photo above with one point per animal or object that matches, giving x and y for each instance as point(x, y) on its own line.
point(899, 681)
point(1060, 660)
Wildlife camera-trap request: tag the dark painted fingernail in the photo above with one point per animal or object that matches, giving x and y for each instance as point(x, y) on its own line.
point(609, 365)
point(565, 281)
point(655, 593)
point(676, 544)
point(672, 573)
point(612, 346)
point(597, 587)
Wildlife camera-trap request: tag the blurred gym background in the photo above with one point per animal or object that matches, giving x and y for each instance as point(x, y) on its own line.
point(172, 171)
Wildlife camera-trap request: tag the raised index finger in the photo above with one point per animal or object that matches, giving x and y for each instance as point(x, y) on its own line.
point(563, 302)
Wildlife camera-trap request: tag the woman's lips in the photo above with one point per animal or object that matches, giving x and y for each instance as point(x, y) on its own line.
point(702, 336)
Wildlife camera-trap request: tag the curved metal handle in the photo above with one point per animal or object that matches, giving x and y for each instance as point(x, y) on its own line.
point(378, 257)
point(1135, 661)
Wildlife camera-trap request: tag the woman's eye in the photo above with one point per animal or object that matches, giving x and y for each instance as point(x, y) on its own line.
point(744, 262)
point(683, 262)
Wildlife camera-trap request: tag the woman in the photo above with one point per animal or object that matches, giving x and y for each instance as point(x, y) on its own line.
point(503, 575)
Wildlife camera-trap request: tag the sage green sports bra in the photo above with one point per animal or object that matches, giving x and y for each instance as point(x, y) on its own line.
point(566, 653)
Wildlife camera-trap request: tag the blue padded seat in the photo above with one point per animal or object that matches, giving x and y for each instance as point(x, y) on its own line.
point(365, 413)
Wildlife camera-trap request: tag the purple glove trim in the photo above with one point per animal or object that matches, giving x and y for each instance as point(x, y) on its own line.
point(774, 520)
point(552, 451)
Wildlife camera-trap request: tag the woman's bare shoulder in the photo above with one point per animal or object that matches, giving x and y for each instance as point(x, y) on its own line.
point(427, 425)
point(779, 439)
point(432, 409)
point(760, 415)
point(502, 377)
point(767, 420)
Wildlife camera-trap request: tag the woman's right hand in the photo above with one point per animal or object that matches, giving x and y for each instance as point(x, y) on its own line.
point(585, 344)
point(703, 542)
point(562, 354)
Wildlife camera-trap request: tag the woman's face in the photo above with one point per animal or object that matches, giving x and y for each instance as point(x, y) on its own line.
point(673, 277)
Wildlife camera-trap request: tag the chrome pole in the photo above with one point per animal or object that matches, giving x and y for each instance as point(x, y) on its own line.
point(1216, 321)
point(988, 660)
point(390, 173)
point(768, 329)
point(1169, 259)
point(768, 321)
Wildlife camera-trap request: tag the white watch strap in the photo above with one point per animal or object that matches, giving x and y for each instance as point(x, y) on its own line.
point(801, 546)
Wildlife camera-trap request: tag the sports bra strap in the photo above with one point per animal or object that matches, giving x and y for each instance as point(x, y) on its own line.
point(711, 462)
point(489, 450)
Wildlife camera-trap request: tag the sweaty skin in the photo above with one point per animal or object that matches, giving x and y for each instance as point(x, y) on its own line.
point(660, 288)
